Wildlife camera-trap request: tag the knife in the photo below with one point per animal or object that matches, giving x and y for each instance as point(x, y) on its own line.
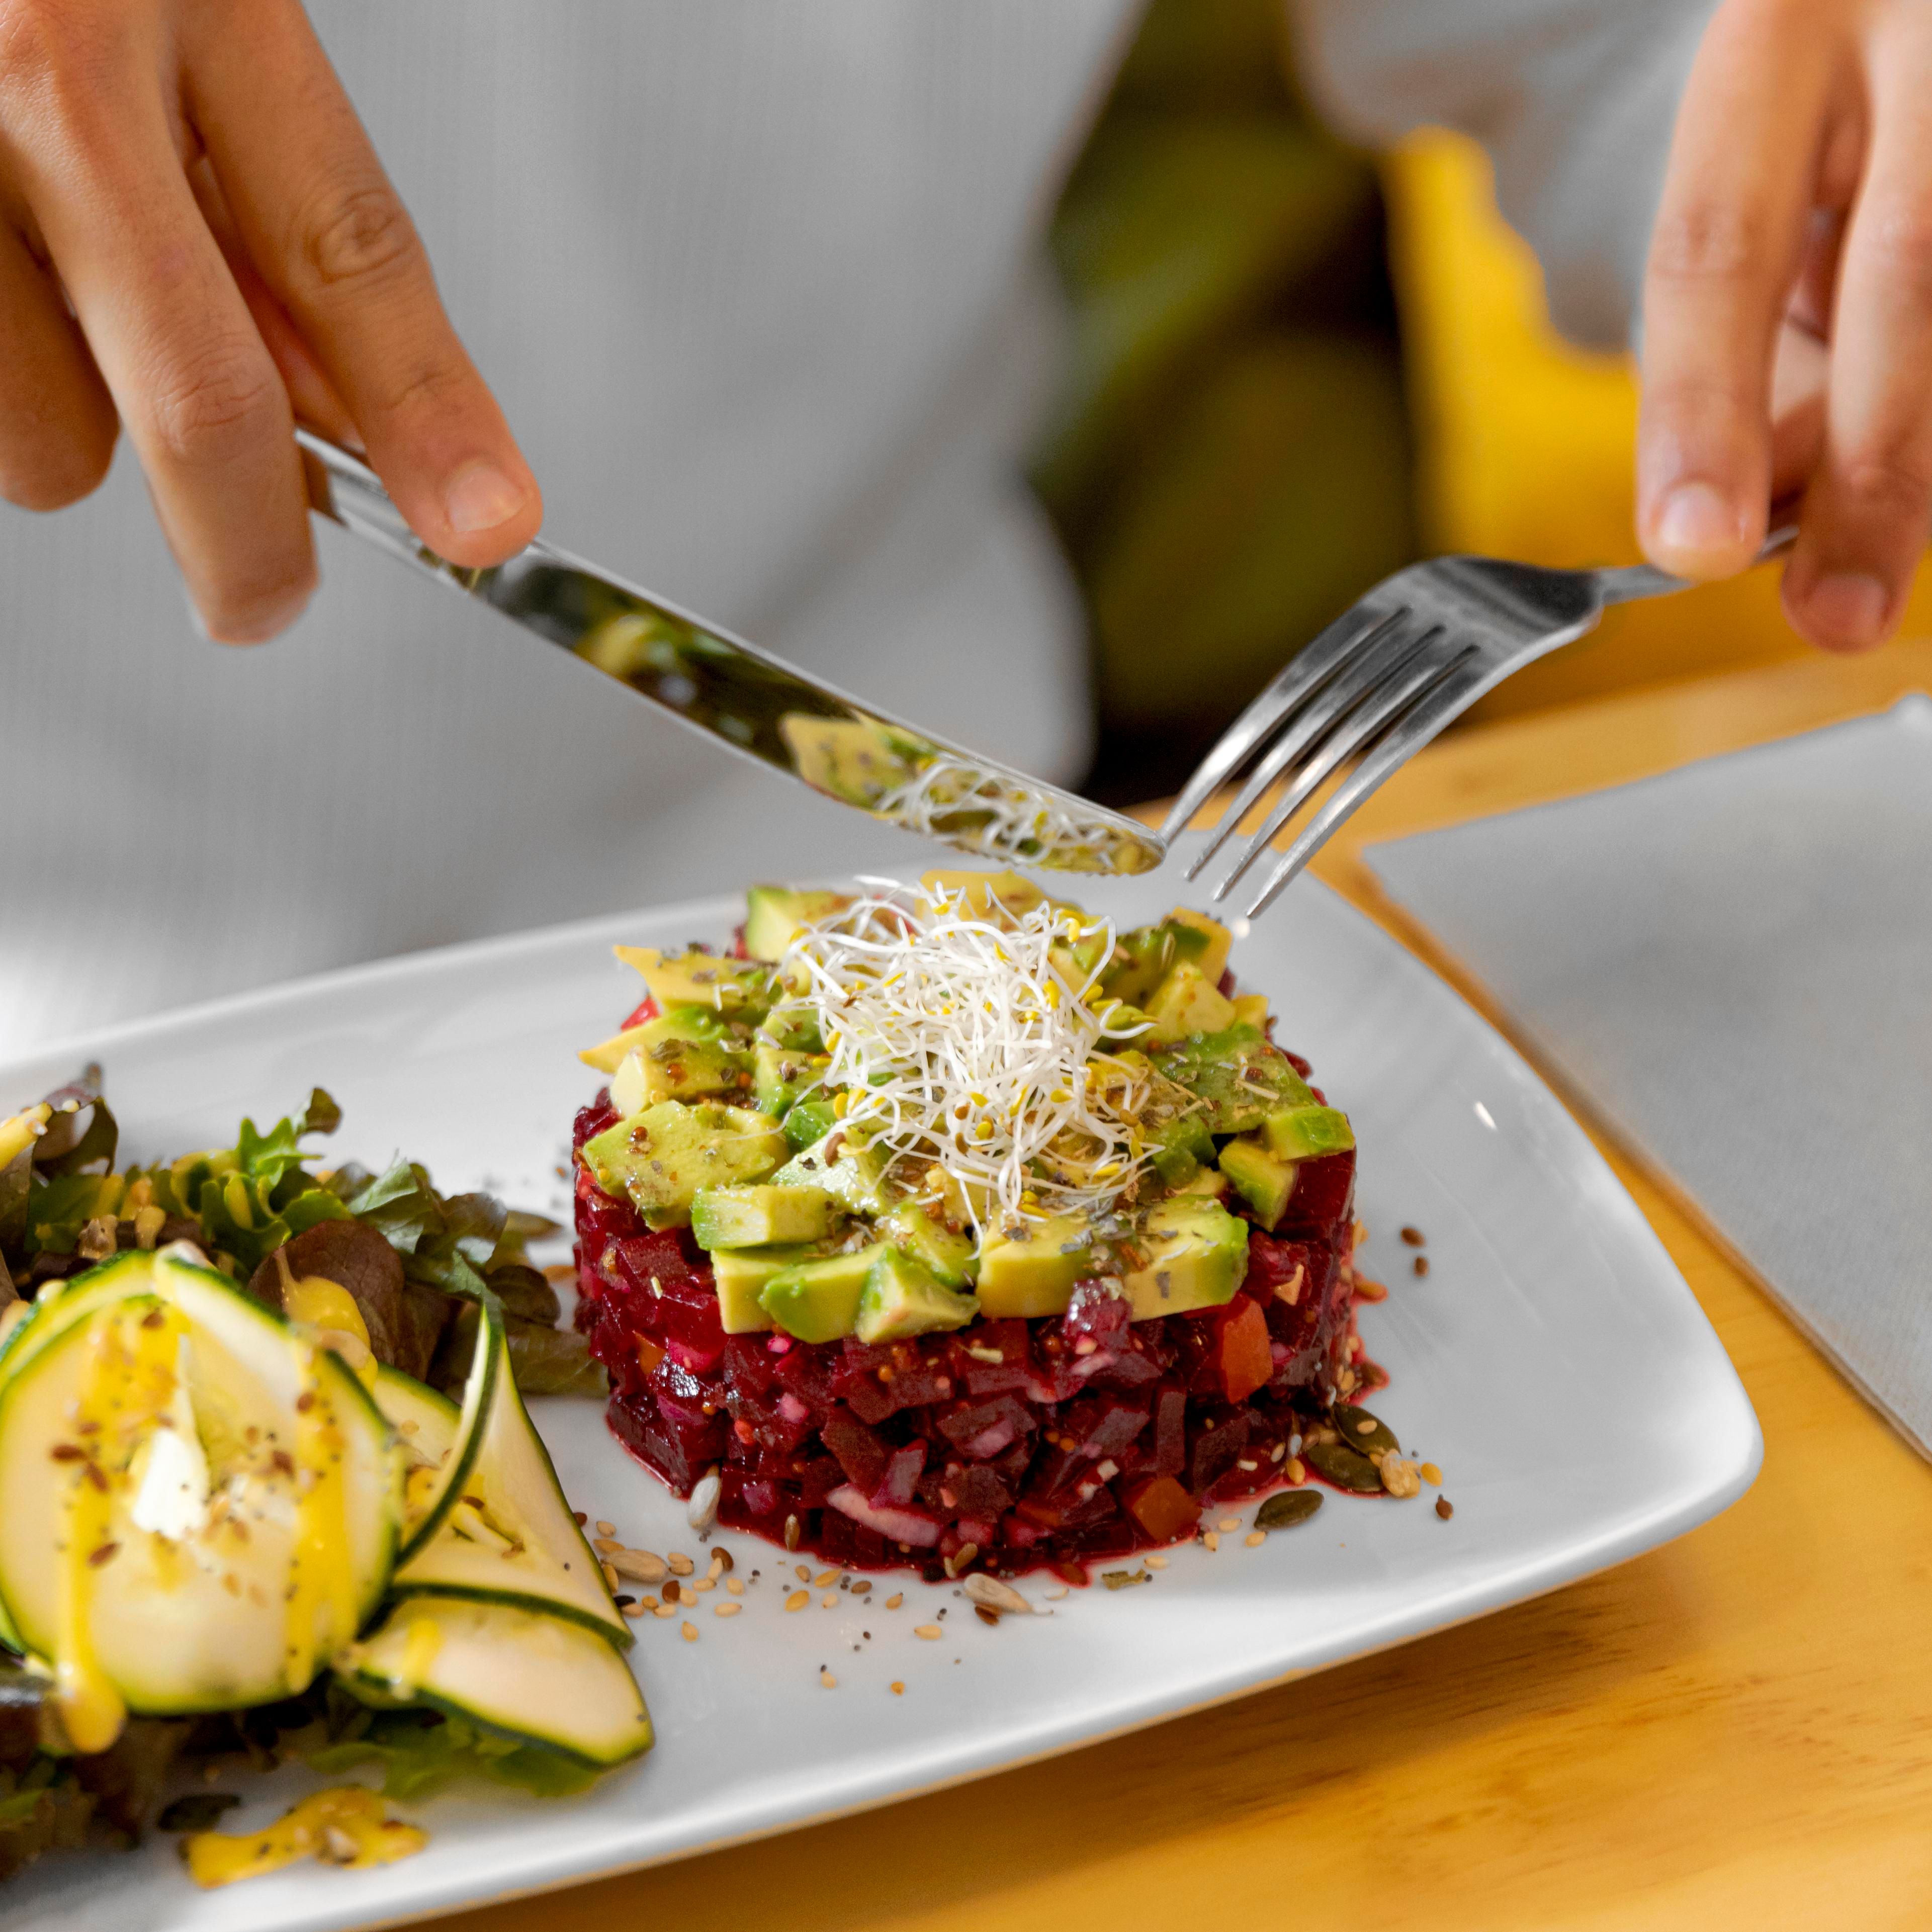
point(761, 707)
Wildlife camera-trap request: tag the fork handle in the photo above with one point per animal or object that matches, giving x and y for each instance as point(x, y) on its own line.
point(1626, 584)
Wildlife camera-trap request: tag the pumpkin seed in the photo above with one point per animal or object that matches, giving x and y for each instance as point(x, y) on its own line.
point(1286, 1508)
point(1346, 1469)
point(1366, 1432)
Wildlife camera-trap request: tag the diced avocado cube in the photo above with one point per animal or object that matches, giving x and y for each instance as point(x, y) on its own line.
point(661, 1156)
point(1240, 1078)
point(818, 1300)
point(1211, 959)
point(1187, 1003)
point(901, 1298)
point(1210, 1184)
point(607, 1055)
point(758, 1216)
point(1028, 1268)
point(720, 985)
point(681, 1055)
point(1251, 1009)
point(1197, 1256)
point(953, 1260)
point(1183, 1148)
point(859, 759)
point(779, 1075)
point(741, 1274)
point(1307, 1133)
point(855, 1174)
point(772, 914)
point(807, 1123)
point(1261, 1180)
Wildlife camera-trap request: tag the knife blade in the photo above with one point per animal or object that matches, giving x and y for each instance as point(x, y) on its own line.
point(753, 703)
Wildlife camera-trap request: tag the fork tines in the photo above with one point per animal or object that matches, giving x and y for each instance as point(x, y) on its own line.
point(1371, 689)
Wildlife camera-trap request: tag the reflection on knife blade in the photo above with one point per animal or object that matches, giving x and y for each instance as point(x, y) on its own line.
point(755, 703)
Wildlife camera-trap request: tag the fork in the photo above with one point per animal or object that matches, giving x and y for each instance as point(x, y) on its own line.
point(1383, 679)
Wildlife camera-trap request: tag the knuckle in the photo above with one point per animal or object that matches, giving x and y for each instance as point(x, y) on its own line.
point(43, 41)
point(1899, 240)
point(1709, 243)
point(1892, 481)
point(357, 234)
point(213, 402)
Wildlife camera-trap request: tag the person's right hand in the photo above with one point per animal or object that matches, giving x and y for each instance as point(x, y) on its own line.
point(200, 243)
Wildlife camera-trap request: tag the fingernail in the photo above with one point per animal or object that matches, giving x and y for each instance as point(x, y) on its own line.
point(1850, 605)
point(1698, 521)
point(480, 496)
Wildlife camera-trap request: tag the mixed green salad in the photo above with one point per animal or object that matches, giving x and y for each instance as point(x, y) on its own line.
point(238, 1509)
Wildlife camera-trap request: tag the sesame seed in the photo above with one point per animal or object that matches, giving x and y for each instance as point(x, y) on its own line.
point(1155, 1562)
point(1229, 1522)
point(1443, 1508)
point(1431, 1475)
point(726, 1609)
point(823, 1578)
point(1213, 1541)
point(705, 1583)
point(931, 1632)
point(798, 1600)
point(610, 1575)
point(1246, 1463)
point(1296, 1472)
point(825, 1678)
point(632, 1610)
point(1056, 1594)
point(1415, 1238)
point(895, 1599)
point(607, 1529)
point(689, 1632)
point(681, 1565)
point(861, 1587)
point(606, 1546)
point(898, 1689)
point(803, 1574)
point(736, 1585)
point(1422, 1264)
point(829, 1601)
point(1256, 1538)
point(665, 1610)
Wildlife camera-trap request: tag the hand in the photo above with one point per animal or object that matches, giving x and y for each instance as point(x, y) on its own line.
point(1788, 309)
point(200, 242)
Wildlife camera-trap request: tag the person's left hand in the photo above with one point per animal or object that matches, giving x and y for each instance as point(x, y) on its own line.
point(1788, 309)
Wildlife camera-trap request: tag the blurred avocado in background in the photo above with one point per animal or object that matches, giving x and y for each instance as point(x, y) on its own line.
point(1228, 464)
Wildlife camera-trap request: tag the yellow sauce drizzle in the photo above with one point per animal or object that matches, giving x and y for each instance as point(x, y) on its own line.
point(329, 1308)
point(322, 1589)
point(345, 1826)
point(127, 1385)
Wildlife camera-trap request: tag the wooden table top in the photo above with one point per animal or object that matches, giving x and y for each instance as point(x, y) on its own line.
point(1730, 1731)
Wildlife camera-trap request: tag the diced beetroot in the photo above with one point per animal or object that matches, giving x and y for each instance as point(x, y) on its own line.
point(1102, 1425)
point(1323, 1196)
point(860, 1453)
point(981, 1429)
point(895, 1488)
point(1241, 1349)
point(817, 1480)
point(910, 1526)
point(980, 1491)
point(1007, 1341)
point(679, 1448)
point(1163, 1508)
point(1169, 1453)
point(1214, 1451)
point(1097, 1315)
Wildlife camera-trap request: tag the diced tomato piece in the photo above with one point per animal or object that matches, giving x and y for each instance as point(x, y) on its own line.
point(1242, 1356)
point(646, 1009)
point(1163, 1508)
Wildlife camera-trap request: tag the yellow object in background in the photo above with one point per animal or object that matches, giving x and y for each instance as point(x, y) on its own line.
point(1526, 444)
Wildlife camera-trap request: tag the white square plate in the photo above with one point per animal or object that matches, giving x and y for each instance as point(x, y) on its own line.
point(1553, 1362)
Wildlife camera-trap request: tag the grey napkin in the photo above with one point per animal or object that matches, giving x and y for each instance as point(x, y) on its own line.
point(1733, 963)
